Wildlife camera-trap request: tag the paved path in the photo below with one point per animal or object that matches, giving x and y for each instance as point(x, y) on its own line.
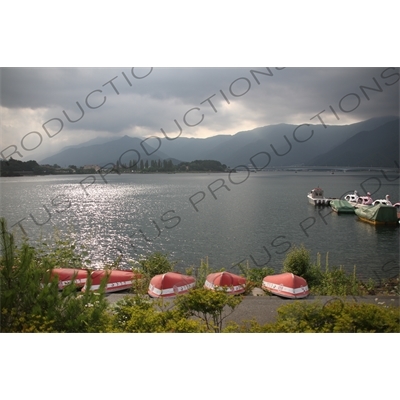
point(264, 308)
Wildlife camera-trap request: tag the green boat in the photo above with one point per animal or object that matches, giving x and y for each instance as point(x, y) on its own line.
point(378, 215)
point(342, 206)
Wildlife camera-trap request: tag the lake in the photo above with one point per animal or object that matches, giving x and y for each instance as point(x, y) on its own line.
point(255, 217)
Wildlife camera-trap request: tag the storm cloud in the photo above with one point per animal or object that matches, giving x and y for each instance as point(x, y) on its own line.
point(45, 109)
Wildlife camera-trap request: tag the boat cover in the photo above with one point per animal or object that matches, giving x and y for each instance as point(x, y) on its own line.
point(378, 214)
point(342, 206)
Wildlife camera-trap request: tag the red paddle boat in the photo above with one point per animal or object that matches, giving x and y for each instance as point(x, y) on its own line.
point(286, 285)
point(117, 280)
point(234, 284)
point(170, 284)
point(68, 275)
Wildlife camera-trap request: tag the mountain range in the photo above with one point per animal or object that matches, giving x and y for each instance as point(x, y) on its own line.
point(370, 143)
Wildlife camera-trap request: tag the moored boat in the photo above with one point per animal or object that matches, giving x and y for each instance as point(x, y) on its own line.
point(116, 280)
point(397, 207)
point(170, 284)
point(316, 197)
point(231, 283)
point(386, 201)
point(379, 214)
point(67, 276)
point(357, 201)
point(286, 285)
point(342, 206)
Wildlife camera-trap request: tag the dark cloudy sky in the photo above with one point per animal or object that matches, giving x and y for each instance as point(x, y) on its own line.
point(123, 104)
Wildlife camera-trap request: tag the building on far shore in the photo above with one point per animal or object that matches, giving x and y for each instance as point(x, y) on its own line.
point(95, 167)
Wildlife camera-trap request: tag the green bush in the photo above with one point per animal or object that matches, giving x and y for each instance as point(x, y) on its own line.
point(254, 276)
point(141, 315)
point(200, 273)
point(332, 281)
point(336, 282)
point(212, 307)
point(335, 316)
point(297, 261)
point(154, 264)
point(30, 299)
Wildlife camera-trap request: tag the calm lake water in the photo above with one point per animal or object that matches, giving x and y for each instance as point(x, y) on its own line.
point(256, 217)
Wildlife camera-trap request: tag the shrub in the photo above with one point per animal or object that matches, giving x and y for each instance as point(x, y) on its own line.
point(254, 276)
point(200, 273)
point(141, 315)
point(30, 299)
point(154, 264)
point(336, 316)
point(212, 307)
point(298, 262)
point(336, 282)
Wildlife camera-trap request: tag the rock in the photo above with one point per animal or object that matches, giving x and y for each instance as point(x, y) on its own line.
point(257, 292)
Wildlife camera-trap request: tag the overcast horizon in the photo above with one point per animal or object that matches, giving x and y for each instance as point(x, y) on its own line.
point(198, 102)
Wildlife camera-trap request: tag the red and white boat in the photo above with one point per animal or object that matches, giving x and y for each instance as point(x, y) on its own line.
point(170, 284)
point(286, 285)
point(117, 280)
point(66, 276)
point(233, 284)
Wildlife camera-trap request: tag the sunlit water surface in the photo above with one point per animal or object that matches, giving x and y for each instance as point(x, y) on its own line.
point(254, 217)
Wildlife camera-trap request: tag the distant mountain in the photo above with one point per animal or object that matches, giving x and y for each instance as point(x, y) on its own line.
point(98, 140)
point(375, 148)
point(276, 145)
point(189, 149)
point(107, 153)
point(244, 145)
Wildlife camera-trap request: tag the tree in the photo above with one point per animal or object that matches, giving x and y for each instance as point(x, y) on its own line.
point(298, 261)
point(212, 307)
point(29, 297)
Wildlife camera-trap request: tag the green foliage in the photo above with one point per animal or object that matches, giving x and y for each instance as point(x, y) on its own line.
point(200, 273)
point(251, 326)
point(254, 276)
point(298, 262)
point(141, 315)
point(336, 282)
point(202, 165)
point(155, 264)
point(30, 299)
point(335, 316)
point(13, 167)
point(328, 281)
point(62, 253)
point(212, 307)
